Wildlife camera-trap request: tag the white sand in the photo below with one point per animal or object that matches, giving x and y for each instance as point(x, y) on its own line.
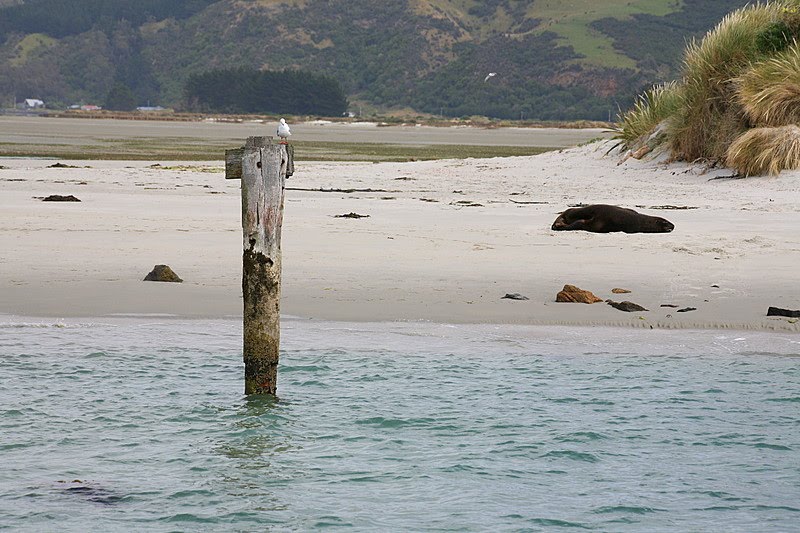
point(731, 258)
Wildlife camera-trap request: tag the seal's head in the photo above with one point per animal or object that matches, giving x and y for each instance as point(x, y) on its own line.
point(660, 225)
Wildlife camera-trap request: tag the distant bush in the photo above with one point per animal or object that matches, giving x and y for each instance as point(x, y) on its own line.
point(120, 98)
point(245, 90)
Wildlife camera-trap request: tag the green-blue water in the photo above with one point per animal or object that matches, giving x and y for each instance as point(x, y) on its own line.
point(397, 427)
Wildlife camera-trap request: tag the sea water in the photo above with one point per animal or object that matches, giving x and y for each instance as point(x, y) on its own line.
point(141, 425)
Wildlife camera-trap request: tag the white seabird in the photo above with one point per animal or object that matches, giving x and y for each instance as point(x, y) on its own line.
point(490, 75)
point(283, 130)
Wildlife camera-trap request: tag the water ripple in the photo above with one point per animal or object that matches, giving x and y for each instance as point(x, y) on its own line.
point(142, 425)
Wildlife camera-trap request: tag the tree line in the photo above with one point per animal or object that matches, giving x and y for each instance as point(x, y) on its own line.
point(247, 90)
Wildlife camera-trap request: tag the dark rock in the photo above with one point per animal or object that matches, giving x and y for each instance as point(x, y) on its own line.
point(777, 311)
point(669, 305)
point(59, 198)
point(686, 310)
point(514, 296)
point(163, 273)
point(628, 307)
point(351, 215)
point(571, 293)
point(61, 165)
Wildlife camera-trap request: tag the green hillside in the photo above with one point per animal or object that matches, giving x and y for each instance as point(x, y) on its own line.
point(555, 59)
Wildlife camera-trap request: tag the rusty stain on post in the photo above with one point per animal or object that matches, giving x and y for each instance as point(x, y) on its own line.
point(263, 173)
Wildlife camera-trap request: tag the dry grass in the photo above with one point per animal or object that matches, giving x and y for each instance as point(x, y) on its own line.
point(765, 151)
point(769, 92)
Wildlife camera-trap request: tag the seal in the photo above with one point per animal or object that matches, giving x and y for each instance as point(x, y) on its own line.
point(601, 218)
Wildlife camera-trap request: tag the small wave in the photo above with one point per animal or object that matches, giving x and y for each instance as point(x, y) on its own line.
point(581, 436)
point(627, 509)
point(557, 523)
point(305, 368)
point(190, 493)
point(13, 446)
point(394, 422)
point(331, 521)
point(772, 446)
point(775, 508)
point(189, 517)
point(576, 456)
point(792, 399)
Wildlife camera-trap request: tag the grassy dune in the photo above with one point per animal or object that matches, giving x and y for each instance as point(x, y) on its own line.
point(737, 99)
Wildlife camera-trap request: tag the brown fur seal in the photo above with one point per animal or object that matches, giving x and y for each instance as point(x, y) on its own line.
point(601, 218)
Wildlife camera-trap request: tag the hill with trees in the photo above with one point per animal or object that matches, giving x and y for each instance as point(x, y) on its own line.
point(582, 59)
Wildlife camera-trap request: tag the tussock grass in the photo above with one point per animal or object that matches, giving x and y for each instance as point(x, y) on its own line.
point(710, 66)
point(745, 73)
point(650, 109)
point(765, 150)
point(769, 92)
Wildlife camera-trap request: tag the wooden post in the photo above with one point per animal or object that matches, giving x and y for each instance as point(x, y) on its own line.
point(262, 169)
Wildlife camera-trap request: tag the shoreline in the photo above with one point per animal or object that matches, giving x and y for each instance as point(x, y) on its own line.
point(444, 242)
point(583, 327)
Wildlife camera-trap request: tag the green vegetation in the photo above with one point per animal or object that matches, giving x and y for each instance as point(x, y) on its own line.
point(651, 109)
point(555, 60)
point(30, 45)
point(738, 77)
point(186, 149)
point(120, 98)
point(246, 90)
point(573, 23)
point(655, 41)
point(60, 19)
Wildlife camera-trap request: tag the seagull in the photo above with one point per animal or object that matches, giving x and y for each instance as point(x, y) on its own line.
point(283, 131)
point(490, 75)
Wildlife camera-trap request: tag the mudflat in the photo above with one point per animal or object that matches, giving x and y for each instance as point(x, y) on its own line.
point(95, 132)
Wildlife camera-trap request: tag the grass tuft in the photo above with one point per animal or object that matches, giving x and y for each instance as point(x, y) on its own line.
point(769, 92)
point(650, 109)
point(710, 66)
point(765, 150)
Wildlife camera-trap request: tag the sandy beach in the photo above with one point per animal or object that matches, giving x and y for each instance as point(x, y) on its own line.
point(444, 241)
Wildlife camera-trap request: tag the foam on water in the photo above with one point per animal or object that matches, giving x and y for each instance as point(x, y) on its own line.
point(134, 424)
